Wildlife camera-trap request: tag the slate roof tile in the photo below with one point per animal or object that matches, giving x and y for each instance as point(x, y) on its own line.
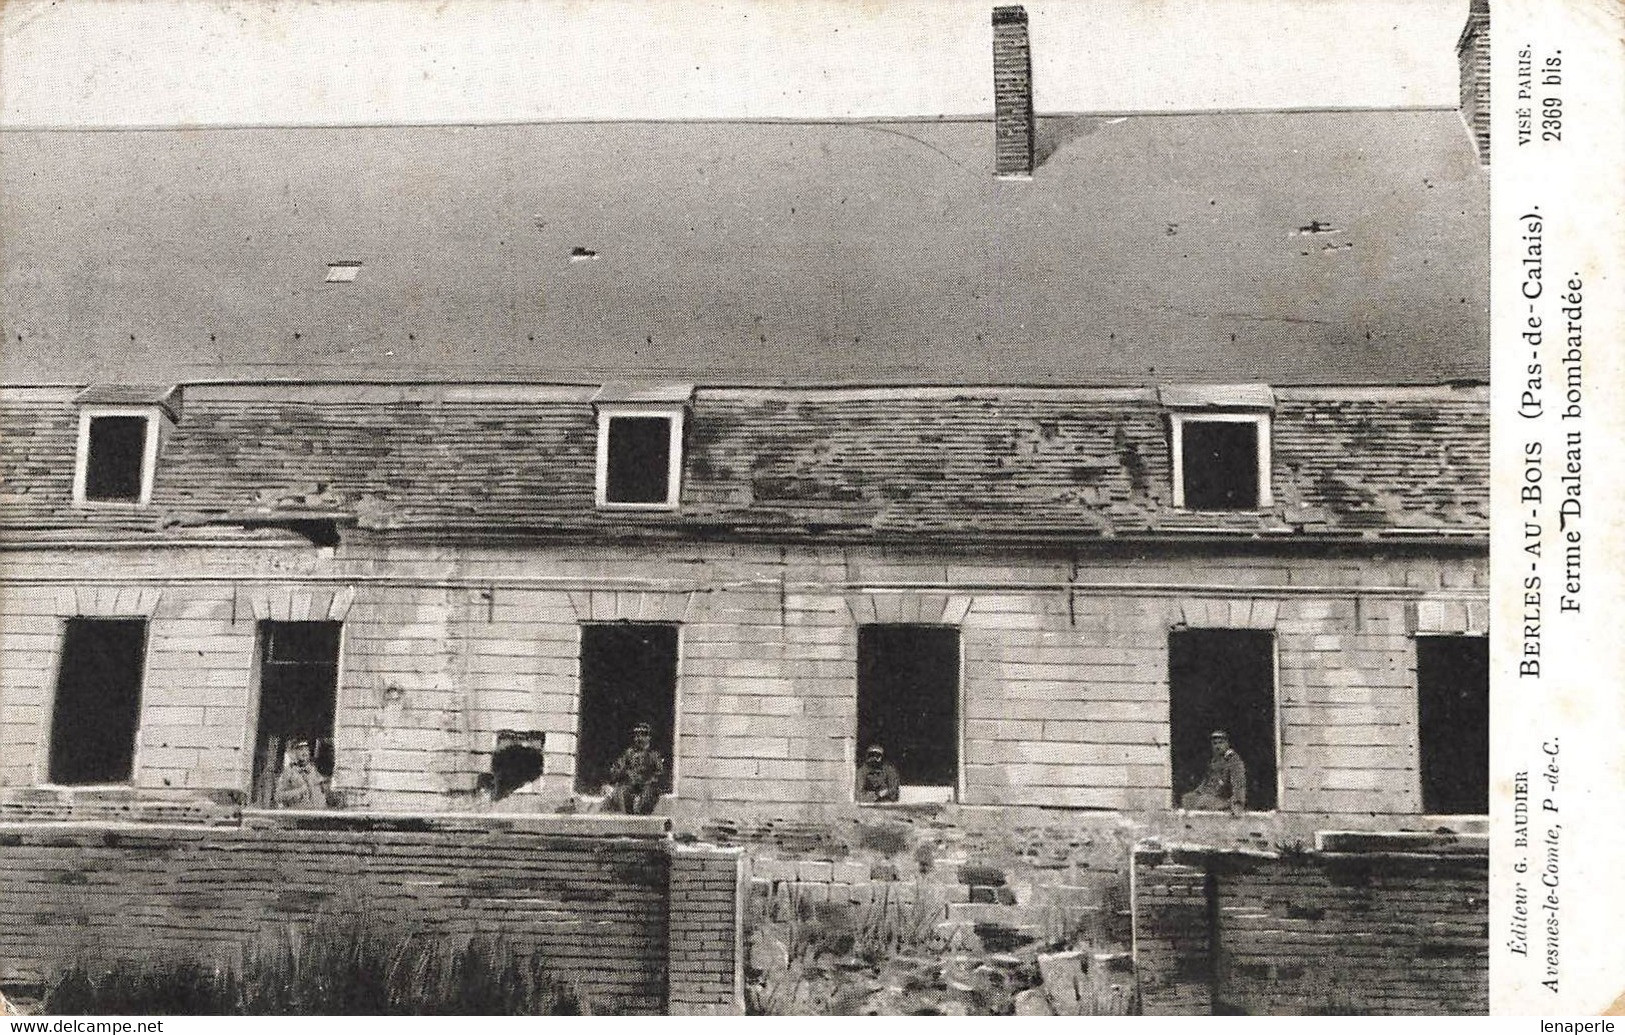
point(1145, 248)
point(977, 463)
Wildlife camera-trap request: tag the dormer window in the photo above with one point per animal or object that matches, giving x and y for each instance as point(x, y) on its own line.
point(119, 429)
point(1220, 444)
point(638, 467)
point(640, 447)
point(118, 452)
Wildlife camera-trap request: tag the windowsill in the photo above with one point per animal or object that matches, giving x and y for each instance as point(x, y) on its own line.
point(607, 505)
point(910, 796)
point(1245, 814)
point(596, 799)
point(111, 504)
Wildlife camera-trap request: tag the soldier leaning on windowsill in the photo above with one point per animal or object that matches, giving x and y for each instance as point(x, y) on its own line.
point(300, 785)
point(637, 777)
point(877, 778)
point(1224, 785)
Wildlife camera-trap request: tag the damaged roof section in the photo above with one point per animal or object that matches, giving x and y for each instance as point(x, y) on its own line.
point(952, 464)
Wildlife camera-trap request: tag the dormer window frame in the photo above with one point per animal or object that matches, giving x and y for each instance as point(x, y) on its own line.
point(88, 413)
point(675, 414)
point(1260, 419)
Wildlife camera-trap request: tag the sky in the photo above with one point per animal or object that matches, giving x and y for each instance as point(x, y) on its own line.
point(362, 62)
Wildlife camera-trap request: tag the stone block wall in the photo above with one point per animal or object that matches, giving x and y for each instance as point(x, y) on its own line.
point(1365, 924)
point(1064, 679)
point(602, 900)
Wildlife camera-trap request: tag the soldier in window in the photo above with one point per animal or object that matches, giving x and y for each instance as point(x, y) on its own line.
point(1224, 785)
point(877, 778)
point(637, 777)
point(300, 785)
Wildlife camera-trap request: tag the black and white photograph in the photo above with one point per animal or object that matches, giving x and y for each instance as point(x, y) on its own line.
point(765, 508)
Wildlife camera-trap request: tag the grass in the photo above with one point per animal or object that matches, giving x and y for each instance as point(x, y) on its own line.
point(827, 944)
point(890, 925)
point(343, 968)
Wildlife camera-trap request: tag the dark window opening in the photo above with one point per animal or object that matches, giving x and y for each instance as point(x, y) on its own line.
point(516, 760)
point(98, 700)
point(1222, 679)
point(639, 463)
point(908, 700)
point(628, 676)
point(1220, 464)
point(118, 447)
point(1453, 697)
point(299, 668)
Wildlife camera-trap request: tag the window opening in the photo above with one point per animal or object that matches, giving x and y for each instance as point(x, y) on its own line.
point(98, 700)
point(908, 705)
point(517, 760)
point(628, 677)
point(115, 465)
point(1220, 464)
point(639, 464)
point(293, 748)
point(1453, 698)
point(1222, 680)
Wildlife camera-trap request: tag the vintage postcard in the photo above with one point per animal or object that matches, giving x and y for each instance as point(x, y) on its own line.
point(799, 507)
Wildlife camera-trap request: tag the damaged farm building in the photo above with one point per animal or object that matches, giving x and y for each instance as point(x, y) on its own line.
point(582, 469)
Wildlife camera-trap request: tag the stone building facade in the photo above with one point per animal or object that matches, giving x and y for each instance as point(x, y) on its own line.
point(1059, 679)
point(1031, 449)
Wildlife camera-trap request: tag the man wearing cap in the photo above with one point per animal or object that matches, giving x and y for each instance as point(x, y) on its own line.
point(1224, 786)
point(637, 776)
point(300, 785)
point(877, 778)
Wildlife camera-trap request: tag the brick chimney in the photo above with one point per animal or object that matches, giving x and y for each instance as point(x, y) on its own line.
point(1473, 54)
point(1013, 126)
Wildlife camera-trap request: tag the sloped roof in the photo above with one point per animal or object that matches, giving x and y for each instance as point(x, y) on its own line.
point(1283, 248)
point(972, 464)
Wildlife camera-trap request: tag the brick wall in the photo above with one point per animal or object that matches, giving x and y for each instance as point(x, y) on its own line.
point(705, 930)
point(1065, 698)
point(1173, 957)
point(1473, 57)
point(1388, 924)
point(1012, 93)
point(601, 899)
